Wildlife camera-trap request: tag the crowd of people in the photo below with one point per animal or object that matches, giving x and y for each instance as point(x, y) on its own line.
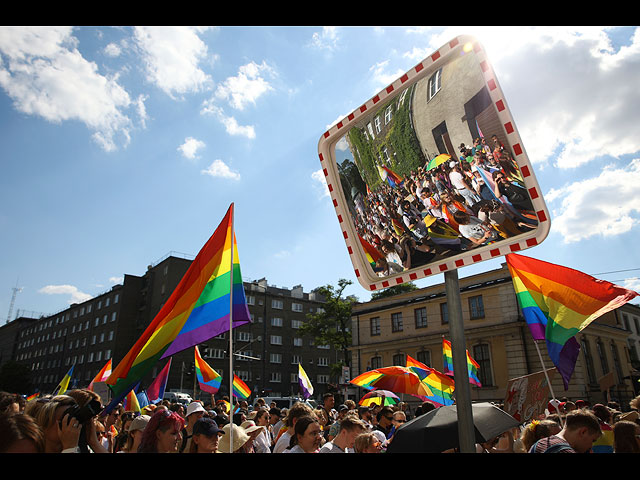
point(473, 200)
point(75, 423)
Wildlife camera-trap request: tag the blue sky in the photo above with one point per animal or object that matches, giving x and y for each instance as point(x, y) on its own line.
point(120, 145)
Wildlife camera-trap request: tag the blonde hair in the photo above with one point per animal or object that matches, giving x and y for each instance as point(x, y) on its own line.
point(536, 430)
point(45, 412)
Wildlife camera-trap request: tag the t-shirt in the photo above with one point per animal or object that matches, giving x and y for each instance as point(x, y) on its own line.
point(330, 447)
point(552, 444)
point(283, 443)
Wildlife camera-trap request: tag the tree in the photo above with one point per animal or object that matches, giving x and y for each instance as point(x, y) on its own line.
point(331, 326)
point(394, 290)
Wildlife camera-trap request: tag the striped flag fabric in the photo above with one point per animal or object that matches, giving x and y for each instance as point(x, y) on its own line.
point(472, 365)
point(240, 389)
point(558, 302)
point(64, 383)
point(131, 403)
point(102, 375)
point(305, 383)
point(208, 379)
point(197, 310)
point(440, 384)
point(156, 390)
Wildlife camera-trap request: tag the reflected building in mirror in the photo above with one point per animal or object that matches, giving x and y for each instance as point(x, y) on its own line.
point(430, 174)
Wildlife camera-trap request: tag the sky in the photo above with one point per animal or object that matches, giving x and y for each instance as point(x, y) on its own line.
point(120, 145)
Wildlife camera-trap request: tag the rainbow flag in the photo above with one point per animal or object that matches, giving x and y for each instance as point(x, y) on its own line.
point(240, 389)
point(155, 392)
point(305, 383)
point(366, 379)
point(64, 383)
point(197, 310)
point(102, 375)
point(33, 396)
point(558, 302)
point(472, 365)
point(391, 177)
point(372, 253)
point(441, 385)
point(208, 378)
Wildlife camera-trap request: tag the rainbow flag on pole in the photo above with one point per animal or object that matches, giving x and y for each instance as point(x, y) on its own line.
point(102, 375)
point(441, 385)
point(240, 389)
point(197, 310)
point(131, 403)
point(208, 378)
point(305, 383)
point(472, 365)
point(558, 302)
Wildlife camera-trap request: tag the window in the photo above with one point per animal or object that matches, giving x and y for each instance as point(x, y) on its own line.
point(603, 357)
point(399, 359)
point(276, 322)
point(387, 115)
point(275, 358)
point(476, 307)
point(323, 362)
point(296, 307)
point(444, 313)
point(251, 300)
point(378, 124)
point(297, 342)
point(435, 83)
point(420, 315)
point(376, 362)
point(277, 304)
point(482, 357)
point(424, 356)
point(275, 377)
point(375, 326)
point(296, 324)
point(276, 340)
point(396, 322)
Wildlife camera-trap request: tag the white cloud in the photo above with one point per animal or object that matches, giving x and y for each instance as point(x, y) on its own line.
point(246, 87)
point(605, 205)
point(327, 39)
point(171, 56)
point(76, 296)
point(190, 147)
point(230, 123)
point(383, 78)
point(116, 280)
point(320, 182)
point(112, 50)
point(45, 75)
point(632, 284)
point(220, 169)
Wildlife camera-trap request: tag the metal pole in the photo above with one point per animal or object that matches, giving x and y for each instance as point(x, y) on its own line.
point(231, 336)
point(466, 431)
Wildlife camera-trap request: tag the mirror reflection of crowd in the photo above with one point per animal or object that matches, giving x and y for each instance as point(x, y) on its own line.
point(476, 199)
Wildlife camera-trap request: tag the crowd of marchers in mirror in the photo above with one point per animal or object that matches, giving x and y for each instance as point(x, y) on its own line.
point(446, 206)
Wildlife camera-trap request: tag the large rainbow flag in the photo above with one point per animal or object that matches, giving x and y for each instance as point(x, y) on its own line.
point(472, 365)
point(558, 302)
point(197, 310)
point(240, 389)
point(208, 378)
point(441, 385)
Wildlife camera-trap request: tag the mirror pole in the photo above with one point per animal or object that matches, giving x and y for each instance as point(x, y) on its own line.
point(466, 431)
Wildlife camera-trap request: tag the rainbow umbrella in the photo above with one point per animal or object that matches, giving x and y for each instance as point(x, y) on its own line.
point(436, 161)
point(396, 379)
point(379, 397)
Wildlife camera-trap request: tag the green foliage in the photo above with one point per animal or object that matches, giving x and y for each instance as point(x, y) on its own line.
point(332, 326)
point(394, 290)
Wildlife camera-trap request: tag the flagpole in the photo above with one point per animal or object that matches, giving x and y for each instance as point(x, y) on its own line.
point(544, 369)
point(231, 334)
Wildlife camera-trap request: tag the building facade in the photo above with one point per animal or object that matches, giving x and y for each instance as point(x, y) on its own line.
point(86, 335)
point(386, 330)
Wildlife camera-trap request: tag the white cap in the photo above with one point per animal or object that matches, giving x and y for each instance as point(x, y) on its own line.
point(195, 407)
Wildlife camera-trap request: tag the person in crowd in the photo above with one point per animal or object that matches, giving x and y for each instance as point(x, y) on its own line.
point(195, 411)
point(350, 427)
point(121, 439)
point(604, 444)
point(205, 436)
point(365, 414)
point(626, 437)
point(162, 434)
point(134, 434)
point(89, 437)
point(61, 431)
point(398, 420)
point(328, 402)
point(334, 428)
point(581, 429)
point(474, 230)
point(296, 411)
point(307, 436)
point(275, 423)
point(384, 419)
point(242, 442)
point(367, 443)
point(536, 430)
point(10, 403)
point(262, 443)
point(20, 434)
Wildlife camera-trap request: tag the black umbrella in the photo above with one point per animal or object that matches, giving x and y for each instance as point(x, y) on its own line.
point(437, 431)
